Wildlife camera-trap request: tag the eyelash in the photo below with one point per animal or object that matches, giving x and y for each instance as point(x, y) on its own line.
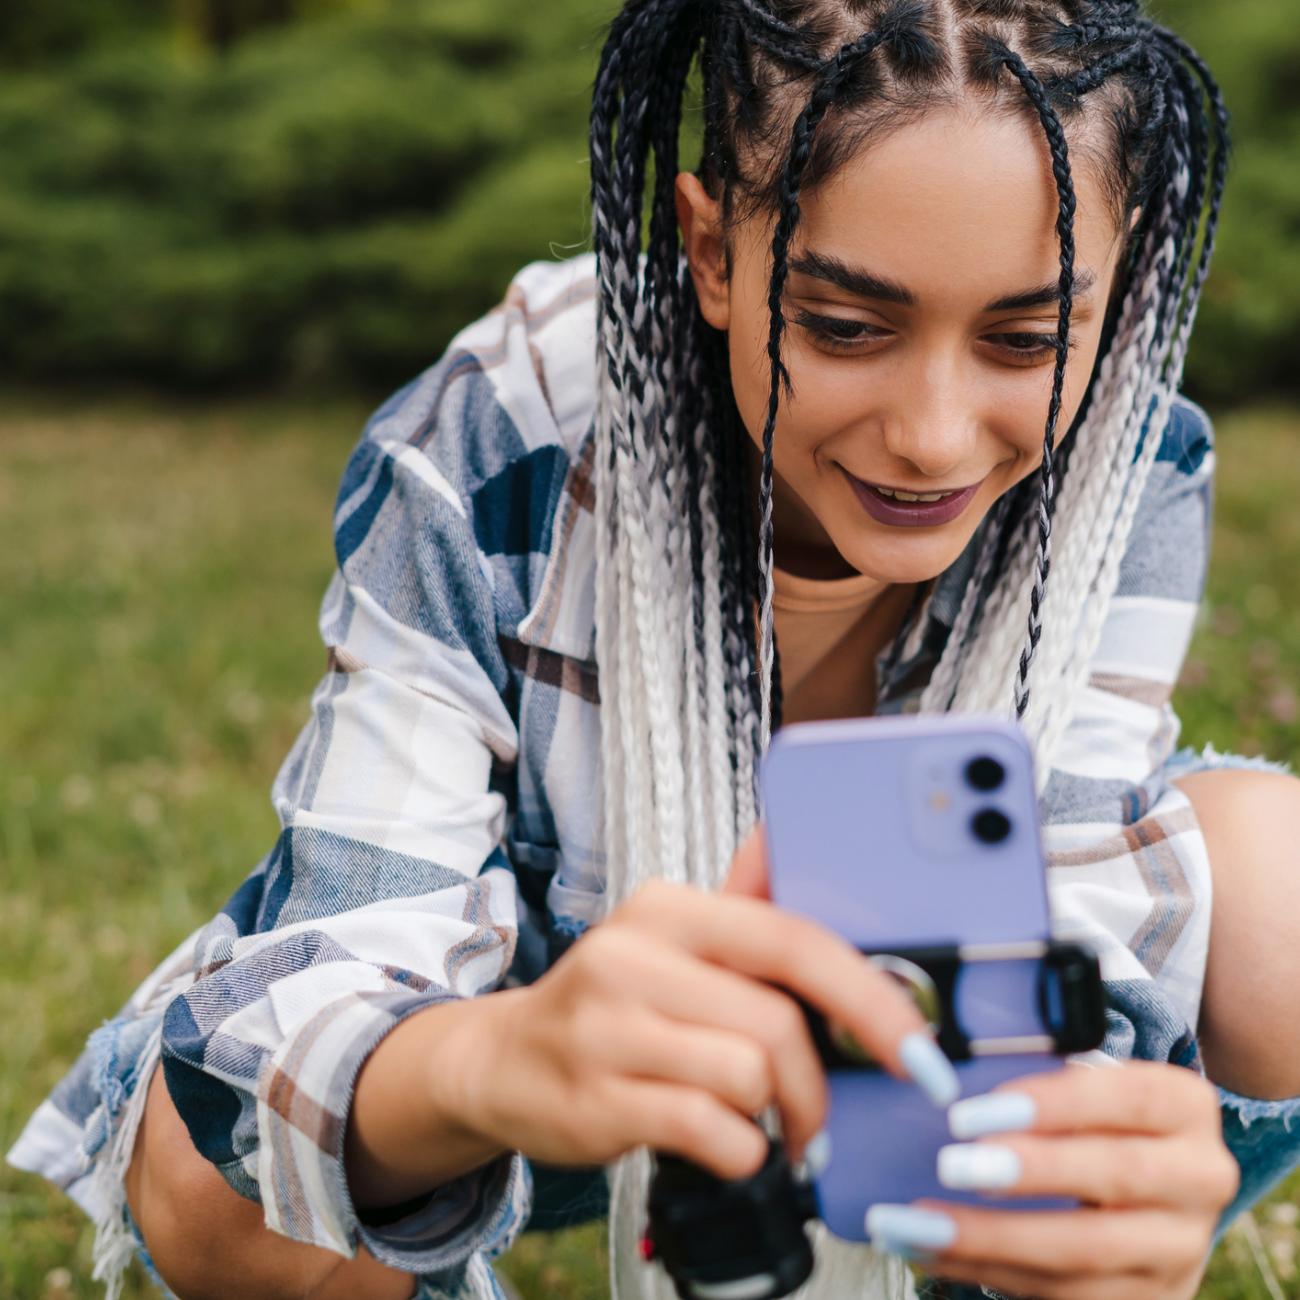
point(840, 334)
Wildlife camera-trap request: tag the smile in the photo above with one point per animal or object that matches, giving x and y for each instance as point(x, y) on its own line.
point(900, 508)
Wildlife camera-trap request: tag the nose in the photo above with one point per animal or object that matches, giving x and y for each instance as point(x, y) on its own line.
point(932, 424)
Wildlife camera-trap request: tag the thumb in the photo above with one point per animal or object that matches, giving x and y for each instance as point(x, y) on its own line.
point(748, 874)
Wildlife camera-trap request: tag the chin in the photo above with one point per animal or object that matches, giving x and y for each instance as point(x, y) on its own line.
point(905, 561)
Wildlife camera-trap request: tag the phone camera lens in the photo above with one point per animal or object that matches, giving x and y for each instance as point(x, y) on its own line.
point(990, 826)
point(985, 773)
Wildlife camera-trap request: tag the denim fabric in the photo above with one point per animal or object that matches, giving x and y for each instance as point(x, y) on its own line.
point(1264, 1137)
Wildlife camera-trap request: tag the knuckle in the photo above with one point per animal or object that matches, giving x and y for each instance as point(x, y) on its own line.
point(595, 1134)
point(1137, 1174)
point(1227, 1177)
point(1189, 1240)
point(1209, 1104)
point(653, 896)
point(1201, 1098)
point(1149, 1109)
point(606, 1128)
point(588, 956)
point(783, 1024)
point(752, 1077)
point(691, 1122)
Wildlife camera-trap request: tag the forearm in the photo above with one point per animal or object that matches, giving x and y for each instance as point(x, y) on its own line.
point(409, 1128)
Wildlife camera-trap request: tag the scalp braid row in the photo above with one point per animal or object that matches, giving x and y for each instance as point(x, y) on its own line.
point(685, 637)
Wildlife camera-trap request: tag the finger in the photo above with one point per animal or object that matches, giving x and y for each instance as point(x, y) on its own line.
point(1076, 1243)
point(749, 873)
point(733, 1067)
point(768, 943)
point(683, 989)
point(687, 1122)
point(1136, 1097)
point(1102, 1170)
point(1028, 1284)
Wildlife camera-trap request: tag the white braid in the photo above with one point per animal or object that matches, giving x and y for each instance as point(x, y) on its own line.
point(721, 784)
point(681, 736)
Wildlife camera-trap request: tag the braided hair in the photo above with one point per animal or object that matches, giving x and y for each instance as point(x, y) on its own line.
point(790, 90)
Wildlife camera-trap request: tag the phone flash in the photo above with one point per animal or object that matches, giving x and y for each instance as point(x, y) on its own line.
point(939, 801)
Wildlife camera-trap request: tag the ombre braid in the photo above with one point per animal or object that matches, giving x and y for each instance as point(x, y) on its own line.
point(685, 637)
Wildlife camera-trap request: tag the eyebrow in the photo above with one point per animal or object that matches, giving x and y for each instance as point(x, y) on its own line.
point(1043, 296)
point(852, 279)
point(864, 284)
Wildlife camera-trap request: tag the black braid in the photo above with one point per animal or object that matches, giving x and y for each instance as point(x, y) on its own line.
point(1061, 38)
point(783, 42)
point(1034, 89)
point(833, 76)
point(1221, 144)
point(1098, 73)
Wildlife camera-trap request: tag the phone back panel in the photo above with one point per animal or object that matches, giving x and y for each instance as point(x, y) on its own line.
point(868, 824)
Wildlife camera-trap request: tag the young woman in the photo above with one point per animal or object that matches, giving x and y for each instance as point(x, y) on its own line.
point(884, 419)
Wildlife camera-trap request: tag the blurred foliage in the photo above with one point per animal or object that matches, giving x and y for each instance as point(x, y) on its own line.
point(319, 192)
point(1248, 332)
point(326, 202)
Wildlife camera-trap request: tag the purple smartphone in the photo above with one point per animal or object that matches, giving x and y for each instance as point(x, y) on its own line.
point(903, 833)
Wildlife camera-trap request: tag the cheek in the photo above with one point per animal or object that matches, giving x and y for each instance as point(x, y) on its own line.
point(1022, 405)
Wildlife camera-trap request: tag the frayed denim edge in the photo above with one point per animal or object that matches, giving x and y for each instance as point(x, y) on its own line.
point(1210, 759)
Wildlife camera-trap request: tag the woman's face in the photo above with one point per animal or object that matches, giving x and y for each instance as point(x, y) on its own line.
point(922, 309)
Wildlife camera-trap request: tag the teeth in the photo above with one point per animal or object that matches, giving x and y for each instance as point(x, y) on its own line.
point(913, 496)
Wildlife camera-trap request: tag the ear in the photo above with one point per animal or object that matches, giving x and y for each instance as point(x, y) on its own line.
point(700, 220)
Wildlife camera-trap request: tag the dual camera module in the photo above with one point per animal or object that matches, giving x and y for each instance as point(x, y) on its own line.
point(986, 774)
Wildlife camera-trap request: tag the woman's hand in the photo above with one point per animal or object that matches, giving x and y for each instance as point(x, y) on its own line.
point(671, 1024)
point(1139, 1145)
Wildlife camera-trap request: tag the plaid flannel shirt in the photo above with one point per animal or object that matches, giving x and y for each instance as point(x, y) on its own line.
point(440, 809)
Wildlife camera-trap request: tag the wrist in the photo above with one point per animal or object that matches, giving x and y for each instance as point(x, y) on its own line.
point(408, 1132)
point(463, 1068)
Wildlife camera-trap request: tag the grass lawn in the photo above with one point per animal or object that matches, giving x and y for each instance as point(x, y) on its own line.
point(160, 570)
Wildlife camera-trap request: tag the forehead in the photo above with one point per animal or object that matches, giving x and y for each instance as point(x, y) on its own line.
point(959, 203)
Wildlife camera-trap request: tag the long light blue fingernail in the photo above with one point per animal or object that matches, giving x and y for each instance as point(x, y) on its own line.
point(994, 1112)
point(929, 1068)
point(977, 1166)
point(891, 1226)
point(817, 1154)
point(913, 1254)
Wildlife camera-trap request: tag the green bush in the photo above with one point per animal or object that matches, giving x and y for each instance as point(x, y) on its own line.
point(1249, 327)
point(328, 203)
point(330, 198)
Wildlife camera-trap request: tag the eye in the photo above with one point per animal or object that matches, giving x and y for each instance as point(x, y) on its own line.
point(1025, 348)
point(839, 333)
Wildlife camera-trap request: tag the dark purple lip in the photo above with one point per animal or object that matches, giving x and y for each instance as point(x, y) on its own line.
point(910, 514)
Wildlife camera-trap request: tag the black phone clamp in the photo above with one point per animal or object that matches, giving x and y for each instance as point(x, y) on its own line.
point(743, 1238)
point(723, 1240)
point(1071, 1000)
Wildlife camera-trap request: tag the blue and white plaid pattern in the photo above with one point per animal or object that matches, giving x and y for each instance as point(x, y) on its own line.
point(440, 810)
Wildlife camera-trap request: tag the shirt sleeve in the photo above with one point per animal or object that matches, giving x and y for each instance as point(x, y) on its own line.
point(1127, 864)
point(388, 890)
